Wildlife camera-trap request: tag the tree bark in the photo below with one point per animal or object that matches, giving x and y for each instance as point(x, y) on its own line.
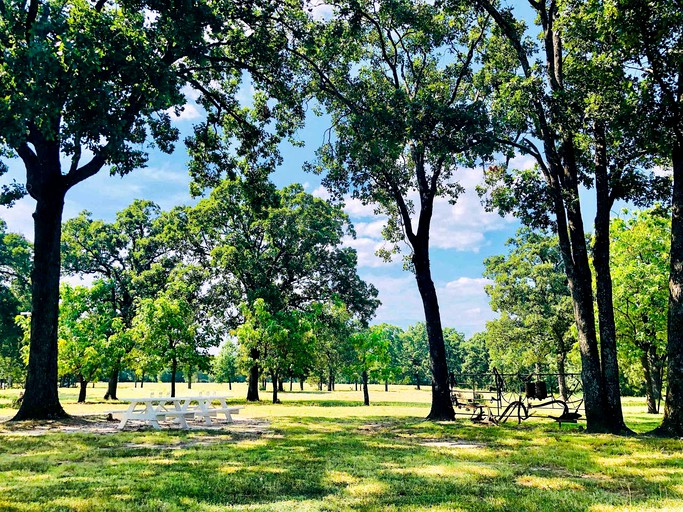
point(113, 382)
point(189, 379)
point(386, 385)
point(252, 388)
point(650, 394)
point(672, 424)
point(613, 416)
point(417, 379)
point(174, 369)
point(301, 384)
point(142, 380)
point(276, 386)
point(442, 408)
point(83, 390)
point(41, 399)
point(561, 375)
point(291, 383)
point(229, 383)
point(366, 393)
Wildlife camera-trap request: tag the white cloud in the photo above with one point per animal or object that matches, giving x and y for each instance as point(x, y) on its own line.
point(188, 112)
point(370, 229)
point(467, 286)
point(322, 193)
point(19, 218)
point(365, 249)
point(462, 302)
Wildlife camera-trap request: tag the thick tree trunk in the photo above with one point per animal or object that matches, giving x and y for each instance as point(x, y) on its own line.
point(252, 388)
point(84, 388)
point(614, 417)
point(41, 399)
point(673, 408)
point(366, 393)
point(174, 369)
point(650, 393)
point(442, 408)
point(113, 382)
point(280, 385)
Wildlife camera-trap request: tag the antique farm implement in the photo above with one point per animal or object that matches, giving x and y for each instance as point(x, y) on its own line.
point(496, 397)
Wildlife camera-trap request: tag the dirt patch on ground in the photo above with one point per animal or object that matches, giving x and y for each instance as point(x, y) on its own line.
point(98, 424)
point(451, 444)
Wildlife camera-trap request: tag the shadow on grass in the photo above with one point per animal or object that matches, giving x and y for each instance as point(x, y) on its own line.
point(314, 463)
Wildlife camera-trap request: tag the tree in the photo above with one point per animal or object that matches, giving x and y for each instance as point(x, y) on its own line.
point(132, 254)
point(415, 351)
point(224, 364)
point(87, 84)
point(281, 246)
point(370, 349)
point(530, 290)
point(590, 136)
point(640, 263)
point(649, 40)
point(168, 326)
point(279, 338)
point(396, 77)
point(331, 327)
point(15, 265)
point(86, 322)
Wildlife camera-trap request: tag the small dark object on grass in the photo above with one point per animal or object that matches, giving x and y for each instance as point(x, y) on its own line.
point(110, 417)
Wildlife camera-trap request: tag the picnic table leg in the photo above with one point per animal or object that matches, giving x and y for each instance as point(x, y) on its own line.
point(182, 409)
point(126, 416)
point(228, 416)
point(152, 412)
point(203, 406)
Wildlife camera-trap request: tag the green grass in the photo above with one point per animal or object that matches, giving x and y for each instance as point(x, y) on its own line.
point(315, 452)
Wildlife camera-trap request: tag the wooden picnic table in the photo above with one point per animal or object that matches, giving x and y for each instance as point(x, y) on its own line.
point(152, 409)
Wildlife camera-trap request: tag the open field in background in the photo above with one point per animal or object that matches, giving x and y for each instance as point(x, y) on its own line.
point(321, 452)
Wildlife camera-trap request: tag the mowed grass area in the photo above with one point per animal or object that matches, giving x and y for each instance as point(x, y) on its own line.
point(325, 451)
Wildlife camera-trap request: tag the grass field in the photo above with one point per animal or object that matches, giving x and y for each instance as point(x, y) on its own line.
point(325, 451)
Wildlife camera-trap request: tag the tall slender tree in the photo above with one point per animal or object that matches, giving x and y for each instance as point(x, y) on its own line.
point(396, 77)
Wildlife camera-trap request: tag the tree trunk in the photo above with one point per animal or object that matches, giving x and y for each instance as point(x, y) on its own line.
point(252, 388)
point(174, 369)
point(142, 380)
point(614, 417)
point(41, 398)
point(276, 386)
point(83, 390)
point(386, 385)
point(366, 394)
point(673, 407)
point(280, 385)
point(442, 408)
point(229, 383)
point(356, 383)
point(650, 395)
point(113, 382)
point(561, 375)
point(301, 384)
point(189, 379)
point(291, 383)
point(417, 379)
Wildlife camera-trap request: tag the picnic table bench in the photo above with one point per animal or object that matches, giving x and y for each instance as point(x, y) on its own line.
point(181, 408)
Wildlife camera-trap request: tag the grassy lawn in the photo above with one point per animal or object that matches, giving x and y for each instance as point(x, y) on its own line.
point(324, 451)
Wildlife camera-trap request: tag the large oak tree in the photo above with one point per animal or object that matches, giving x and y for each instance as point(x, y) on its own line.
point(83, 85)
